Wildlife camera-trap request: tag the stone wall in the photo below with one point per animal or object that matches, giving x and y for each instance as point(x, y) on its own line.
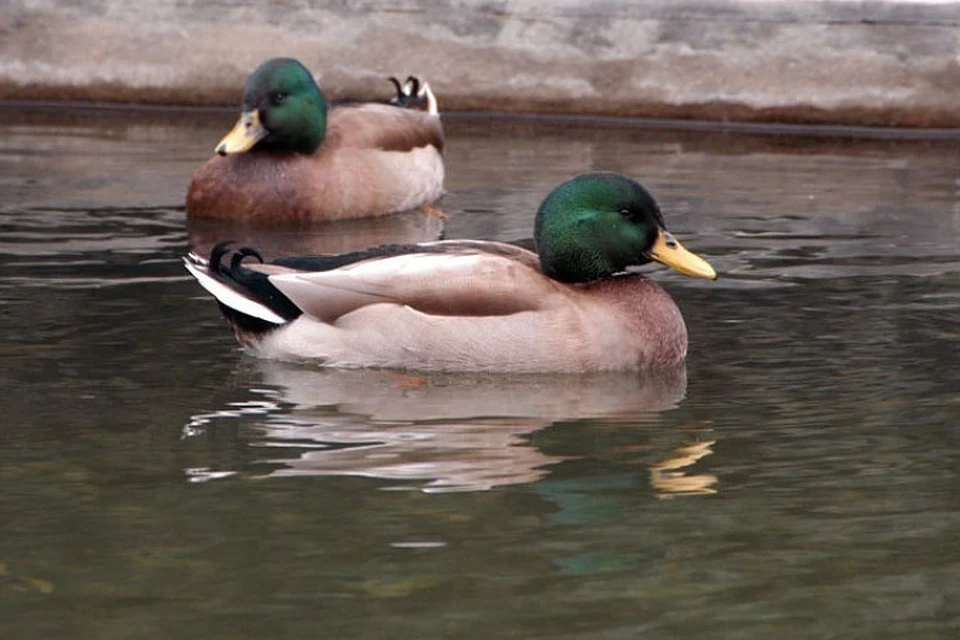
point(891, 62)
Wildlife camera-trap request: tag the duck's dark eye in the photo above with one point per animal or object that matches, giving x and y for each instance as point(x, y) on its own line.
point(625, 213)
point(277, 97)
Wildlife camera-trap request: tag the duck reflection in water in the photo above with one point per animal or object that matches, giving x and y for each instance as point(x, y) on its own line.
point(335, 236)
point(439, 432)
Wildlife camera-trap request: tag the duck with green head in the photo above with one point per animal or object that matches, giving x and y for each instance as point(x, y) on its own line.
point(476, 305)
point(293, 158)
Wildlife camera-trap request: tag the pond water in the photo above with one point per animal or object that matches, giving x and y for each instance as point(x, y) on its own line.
point(798, 480)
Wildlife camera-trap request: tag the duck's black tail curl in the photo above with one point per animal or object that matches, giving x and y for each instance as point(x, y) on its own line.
point(410, 94)
point(247, 298)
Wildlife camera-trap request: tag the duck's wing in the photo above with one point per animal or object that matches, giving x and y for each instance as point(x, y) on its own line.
point(384, 127)
point(445, 278)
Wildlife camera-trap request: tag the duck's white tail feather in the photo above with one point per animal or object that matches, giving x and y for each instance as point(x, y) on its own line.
point(228, 296)
point(432, 107)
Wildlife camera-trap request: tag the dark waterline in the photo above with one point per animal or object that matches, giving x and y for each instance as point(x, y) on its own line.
point(657, 124)
point(797, 480)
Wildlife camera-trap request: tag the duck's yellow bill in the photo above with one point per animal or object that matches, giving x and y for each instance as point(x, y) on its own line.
point(247, 132)
point(666, 250)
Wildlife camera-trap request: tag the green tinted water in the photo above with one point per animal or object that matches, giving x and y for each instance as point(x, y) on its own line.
point(799, 481)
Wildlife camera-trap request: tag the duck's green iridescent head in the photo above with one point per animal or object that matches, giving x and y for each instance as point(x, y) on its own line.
point(598, 224)
point(283, 110)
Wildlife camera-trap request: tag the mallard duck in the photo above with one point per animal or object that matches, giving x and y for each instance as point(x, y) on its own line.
point(475, 305)
point(290, 158)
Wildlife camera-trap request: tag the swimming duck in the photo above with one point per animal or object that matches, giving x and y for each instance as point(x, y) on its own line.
point(290, 158)
point(475, 305)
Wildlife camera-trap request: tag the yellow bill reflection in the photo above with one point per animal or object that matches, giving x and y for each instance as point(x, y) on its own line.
point(671, 479)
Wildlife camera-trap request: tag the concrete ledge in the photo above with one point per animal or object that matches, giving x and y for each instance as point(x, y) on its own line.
point(890, 62)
